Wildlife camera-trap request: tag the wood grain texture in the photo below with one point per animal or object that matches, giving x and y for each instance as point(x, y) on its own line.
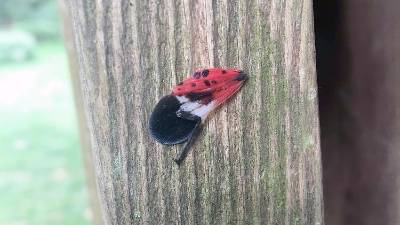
point(257, 160)
point(84, 139)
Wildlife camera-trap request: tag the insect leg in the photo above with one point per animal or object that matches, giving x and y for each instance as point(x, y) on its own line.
point(192, 136)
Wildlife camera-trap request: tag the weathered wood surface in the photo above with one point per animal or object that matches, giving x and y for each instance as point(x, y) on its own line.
point(257, 160)
point(95, 215)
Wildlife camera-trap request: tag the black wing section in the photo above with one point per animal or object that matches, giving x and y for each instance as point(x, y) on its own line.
point(166, 127)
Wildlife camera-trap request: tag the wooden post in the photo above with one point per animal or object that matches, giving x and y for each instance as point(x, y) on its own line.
point(257, 160)
point(83, 128)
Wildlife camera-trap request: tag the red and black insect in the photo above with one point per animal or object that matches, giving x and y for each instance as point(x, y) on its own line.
point(177, 117)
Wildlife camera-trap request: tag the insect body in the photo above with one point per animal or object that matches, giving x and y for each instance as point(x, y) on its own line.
point(177, 117)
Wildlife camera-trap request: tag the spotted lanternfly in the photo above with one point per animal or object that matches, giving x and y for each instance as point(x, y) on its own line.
point(177, 117)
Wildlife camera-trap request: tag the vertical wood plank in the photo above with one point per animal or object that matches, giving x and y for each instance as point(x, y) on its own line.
point(95, 215)
point(257, 160)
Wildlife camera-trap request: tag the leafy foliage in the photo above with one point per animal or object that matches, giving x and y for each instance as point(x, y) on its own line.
point(41, 174)
point(22, 24)
point(38, 17)
point(16, 46)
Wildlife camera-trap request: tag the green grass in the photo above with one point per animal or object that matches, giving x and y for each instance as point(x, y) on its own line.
point(41, 171)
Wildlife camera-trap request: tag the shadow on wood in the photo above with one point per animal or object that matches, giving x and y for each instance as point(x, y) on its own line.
point(359, 75)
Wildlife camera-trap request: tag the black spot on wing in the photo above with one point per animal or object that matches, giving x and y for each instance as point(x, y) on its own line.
point(207, 83)
point(193, 96)
point(206, 100)
point(197, 75)
point(164, 124)
point(205, 73)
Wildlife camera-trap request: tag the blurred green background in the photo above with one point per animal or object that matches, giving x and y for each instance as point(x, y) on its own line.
point(41, 170)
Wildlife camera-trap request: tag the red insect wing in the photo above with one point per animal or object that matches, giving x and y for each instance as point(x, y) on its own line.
point(177, 117)
point(221, 95)
point(214, 79)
